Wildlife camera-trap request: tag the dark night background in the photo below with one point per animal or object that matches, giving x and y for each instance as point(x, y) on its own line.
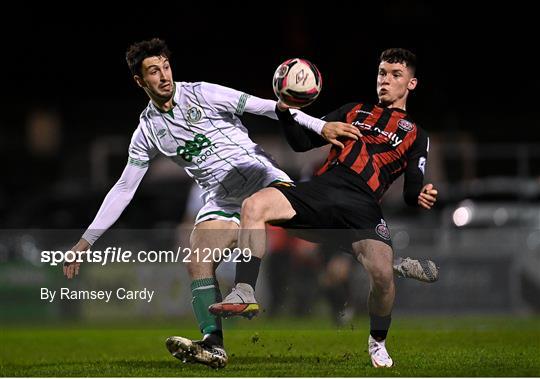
point(476, 68)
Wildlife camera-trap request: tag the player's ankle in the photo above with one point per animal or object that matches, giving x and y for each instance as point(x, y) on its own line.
point(379, 326)
point(214, 338)
point(248, 272)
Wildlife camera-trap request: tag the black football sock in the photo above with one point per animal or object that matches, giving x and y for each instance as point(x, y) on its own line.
point(214, 338)
point(379, 326)
point(248, 272)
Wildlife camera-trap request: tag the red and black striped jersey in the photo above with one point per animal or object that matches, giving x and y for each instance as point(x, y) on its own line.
point(391, 144)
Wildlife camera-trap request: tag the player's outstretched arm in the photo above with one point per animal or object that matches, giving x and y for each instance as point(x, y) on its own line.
point(112, 207)
point(302, 139)
point(306, 132)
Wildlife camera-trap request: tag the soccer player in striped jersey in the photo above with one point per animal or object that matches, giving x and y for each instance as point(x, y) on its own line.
point(197, 126)
point(346, 194)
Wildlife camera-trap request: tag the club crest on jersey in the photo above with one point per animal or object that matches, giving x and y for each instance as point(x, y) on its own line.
point(382, 230)
point(405, 125)
point(161, 133)
point(194, 114)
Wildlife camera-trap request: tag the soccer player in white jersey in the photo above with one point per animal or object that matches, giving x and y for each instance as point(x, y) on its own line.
point(197, 126)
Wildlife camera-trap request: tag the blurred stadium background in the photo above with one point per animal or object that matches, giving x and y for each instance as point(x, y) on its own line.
point(71, 106)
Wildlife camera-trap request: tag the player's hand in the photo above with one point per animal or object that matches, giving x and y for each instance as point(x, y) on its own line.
point(71, 269)
point(283, 107)
point(334, 130)
point(428, 196)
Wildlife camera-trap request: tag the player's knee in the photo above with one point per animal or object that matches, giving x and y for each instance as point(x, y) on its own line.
point(253, 210)
point(199, 270)
point(382, 277)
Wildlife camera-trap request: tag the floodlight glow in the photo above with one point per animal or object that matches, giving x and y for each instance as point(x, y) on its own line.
point(462, 216)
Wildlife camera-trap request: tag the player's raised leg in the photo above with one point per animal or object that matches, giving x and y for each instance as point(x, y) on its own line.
point(377, 257)
point(213, 234)
point(267, 205)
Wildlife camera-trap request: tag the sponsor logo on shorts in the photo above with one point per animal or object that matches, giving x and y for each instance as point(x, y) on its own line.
point(405, 125)
point(382, 230)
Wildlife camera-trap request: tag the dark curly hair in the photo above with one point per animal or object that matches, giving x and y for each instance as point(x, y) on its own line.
point(139, 51)
point(399, 55)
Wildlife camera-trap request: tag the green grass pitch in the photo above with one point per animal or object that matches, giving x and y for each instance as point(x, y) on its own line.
point(426, 346)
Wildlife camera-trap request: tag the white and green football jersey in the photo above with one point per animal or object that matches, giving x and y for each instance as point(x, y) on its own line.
point(203, 134)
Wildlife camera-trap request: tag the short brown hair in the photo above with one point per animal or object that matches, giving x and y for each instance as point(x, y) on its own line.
point(139, 51)
point(399, 55)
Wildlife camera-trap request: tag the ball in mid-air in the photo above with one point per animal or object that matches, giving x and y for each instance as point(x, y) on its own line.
point(297, 82)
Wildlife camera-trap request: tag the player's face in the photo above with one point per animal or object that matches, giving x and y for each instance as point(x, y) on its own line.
point(394, 81)
point(156, 77)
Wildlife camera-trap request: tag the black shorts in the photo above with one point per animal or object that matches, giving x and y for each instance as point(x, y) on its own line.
point(337, 208)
